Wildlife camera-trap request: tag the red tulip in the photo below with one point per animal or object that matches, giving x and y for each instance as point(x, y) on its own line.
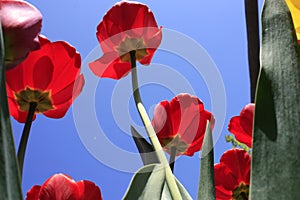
point(127, 26)
point(21, 24)
point(181, 123)
point(232, 175)
point(48, 76)
point(63, 187)
point(242, 126)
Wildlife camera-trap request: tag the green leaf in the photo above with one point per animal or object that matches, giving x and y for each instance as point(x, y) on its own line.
point(275, 172)
point(146, 150)
point(251, 14)
point(10, 187)
point(150, 183)
point(206, 190)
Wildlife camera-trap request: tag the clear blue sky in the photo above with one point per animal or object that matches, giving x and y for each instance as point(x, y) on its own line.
point(55, 145)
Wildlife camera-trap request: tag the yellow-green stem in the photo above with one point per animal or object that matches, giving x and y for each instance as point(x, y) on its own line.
point(170, 179)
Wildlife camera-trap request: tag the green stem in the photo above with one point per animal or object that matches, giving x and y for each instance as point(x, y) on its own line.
point(25, 135)
point(170, 179)
point(235, 143)
point(172, 158)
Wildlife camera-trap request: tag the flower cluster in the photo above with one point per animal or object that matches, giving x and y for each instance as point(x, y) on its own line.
point(44, 77)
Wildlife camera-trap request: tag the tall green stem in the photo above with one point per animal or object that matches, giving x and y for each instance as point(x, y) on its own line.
point(25, 136)
point(150, 131)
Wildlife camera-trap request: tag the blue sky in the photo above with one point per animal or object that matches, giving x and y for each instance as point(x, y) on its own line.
point(57, 146)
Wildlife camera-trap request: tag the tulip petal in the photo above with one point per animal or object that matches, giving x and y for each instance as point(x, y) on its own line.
point(59, 186)
point(21, 24)
point(241, 126)
point(42, 73)
point(88, 190)
point(238, 162)
point(110, 66)
point(33, 193)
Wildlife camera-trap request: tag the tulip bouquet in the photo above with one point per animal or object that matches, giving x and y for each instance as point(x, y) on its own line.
point(40, 76)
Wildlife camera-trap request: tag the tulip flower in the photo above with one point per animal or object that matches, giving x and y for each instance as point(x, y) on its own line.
point(232, 175)
point(49, 78)
point(21, 24)
point(181, 124)
point(242, 126)
point(118, 36)
point(63, 187)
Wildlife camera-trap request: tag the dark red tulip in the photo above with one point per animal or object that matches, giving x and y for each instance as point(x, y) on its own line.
point(21, 24)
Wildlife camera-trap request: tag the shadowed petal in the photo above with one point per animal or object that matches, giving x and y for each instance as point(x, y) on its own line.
point(21, 24)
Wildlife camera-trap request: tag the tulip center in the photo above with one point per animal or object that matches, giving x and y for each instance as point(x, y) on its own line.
point(241, 192)
point(132, 44)
point(176, 142)
point(27, 96)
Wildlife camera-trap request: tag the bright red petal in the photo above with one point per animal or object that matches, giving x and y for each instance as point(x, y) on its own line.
point(33, 193)
point(198, 140)
point(242, 126)
point(59, 111)
point(225, 178)
point(88, 191)
point(43, 72)
point(238, 161)
point(161, 121)
point(68, 93)
point(110, 66)
point(113, 22)
point(190, 109)
point(59, 186)
point(62, 107)
point(223, 194)
point(15, 78)
point(247, 118)
point(67, 62)
point(235, 128)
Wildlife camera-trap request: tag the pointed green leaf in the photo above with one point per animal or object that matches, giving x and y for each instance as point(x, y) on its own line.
point(150, 183)
point(10, 187)
point(206, 190)
point(275, 172)
point(146, 150)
